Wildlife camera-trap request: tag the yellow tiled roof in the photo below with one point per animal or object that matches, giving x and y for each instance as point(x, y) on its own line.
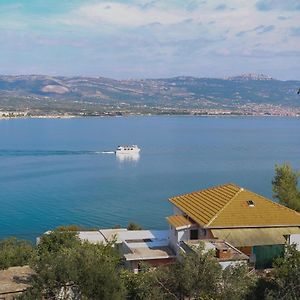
point(178, 221)
point(226, 206)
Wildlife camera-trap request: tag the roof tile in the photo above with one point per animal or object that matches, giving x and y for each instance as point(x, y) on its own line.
point(226, 206)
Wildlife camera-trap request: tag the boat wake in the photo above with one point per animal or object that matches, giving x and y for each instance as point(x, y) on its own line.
point(45, 153)
point(41, 153)
point(106, 152)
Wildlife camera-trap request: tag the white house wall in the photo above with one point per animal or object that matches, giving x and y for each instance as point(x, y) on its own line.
point(183, 235)
point(176, 236)
point(295, 239)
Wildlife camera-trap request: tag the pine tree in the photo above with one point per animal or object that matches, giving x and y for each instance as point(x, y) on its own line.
point(285, 186)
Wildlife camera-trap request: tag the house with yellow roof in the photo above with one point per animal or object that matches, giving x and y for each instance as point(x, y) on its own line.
point(250, 223)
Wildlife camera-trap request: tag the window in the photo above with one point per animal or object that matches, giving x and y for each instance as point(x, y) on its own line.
point(194, 234)
point(139, 241)
point(250, 203)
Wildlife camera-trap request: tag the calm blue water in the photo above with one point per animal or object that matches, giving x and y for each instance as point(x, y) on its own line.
point(52, 172)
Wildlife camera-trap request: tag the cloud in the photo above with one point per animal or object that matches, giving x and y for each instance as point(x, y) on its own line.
point(221, 7)
point(265, 29)
point(122, 15)
point(261, 29)
point(194, 4)
point(240, 33)
point(10, 7)
point(148, 4)
point(122, 38)
point(258, 27)
point(223, 51)
point(267, 5)
point(283, 18)
point(295, 31)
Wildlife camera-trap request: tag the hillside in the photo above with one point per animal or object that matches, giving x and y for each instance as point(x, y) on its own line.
point(244, 94)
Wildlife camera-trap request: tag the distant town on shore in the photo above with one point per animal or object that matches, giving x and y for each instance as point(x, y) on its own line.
point(58, 96)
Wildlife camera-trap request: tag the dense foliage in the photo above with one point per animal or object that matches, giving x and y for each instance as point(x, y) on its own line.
point(285, 186)
point(196, 276)
point(64, 266)
point(133, 226)
point(14, 252)
point(287, 275)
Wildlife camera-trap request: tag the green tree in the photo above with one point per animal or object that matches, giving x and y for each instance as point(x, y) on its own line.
point(71, 227)
point(56, 240)
point(63, 264)
point(287, 275)
point(133, 226)
point(75, 228)
point(54, 264)
point(285, 187)
point(262, 289)
point(15, 252)
point(196, 276)
point(99, 272)
point(236, 282)
point(142, 286)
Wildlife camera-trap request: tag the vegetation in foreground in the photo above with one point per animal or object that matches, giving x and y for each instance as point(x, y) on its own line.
point(64, 265)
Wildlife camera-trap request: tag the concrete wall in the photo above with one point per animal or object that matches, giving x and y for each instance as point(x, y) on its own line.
point(134, 264)
point(183, 235)
point(176, 236)
point(225, 264)
point(295, 239)
point(173, 237)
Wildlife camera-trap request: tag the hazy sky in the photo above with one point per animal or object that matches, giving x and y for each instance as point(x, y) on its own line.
point(150, 38)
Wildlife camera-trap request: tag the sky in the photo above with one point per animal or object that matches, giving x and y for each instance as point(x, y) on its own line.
point(150, 38)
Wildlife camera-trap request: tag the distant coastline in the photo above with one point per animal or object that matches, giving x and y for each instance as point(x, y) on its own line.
point(41, 96)
point(18, 115)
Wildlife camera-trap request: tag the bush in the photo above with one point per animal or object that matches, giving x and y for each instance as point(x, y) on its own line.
point(15, 252)
point(133, 226)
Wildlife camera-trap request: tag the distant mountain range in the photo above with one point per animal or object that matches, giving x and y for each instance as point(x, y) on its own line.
point(39, 94)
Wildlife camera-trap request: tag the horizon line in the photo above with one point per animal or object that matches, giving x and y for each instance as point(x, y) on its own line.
point(148, 78)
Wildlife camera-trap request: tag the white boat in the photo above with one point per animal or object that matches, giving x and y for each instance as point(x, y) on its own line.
point(133, 149)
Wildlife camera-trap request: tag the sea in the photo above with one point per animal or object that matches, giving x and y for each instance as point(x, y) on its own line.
point(63, 171)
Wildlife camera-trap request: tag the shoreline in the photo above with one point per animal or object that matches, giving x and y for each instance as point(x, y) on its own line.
point(147, 115)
